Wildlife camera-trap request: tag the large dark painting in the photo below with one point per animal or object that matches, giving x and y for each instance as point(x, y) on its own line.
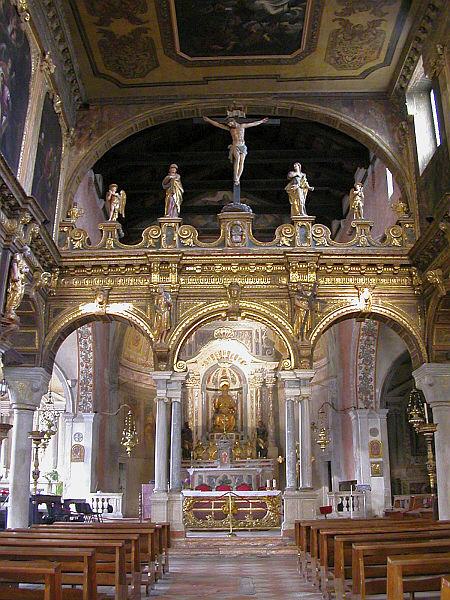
point(15, 74)
point(48, 161)
point(212, 28)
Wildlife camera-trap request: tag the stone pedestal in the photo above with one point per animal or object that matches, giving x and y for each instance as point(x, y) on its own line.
point(298, 505)
point(434, 380)
point(160, 507)
point(303, 226)
point(175, 513)
point(169, 231)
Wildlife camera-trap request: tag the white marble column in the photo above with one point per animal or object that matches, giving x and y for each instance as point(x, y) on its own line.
point(174, 393)
point(291, 393)
point(161, 379)
point(304, 377)
point(434, 381)
point(27, 385)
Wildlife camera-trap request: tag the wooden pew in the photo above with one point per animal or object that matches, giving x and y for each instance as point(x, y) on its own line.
point(149, 541)
point(25, 571)
point(415, 573)
point(363, 526)
point(110, 555)
point(342, 559)
point(73, 560)
point(369, 562)
point(445, 588)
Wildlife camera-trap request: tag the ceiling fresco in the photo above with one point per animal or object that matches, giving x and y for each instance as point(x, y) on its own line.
point(158, 48)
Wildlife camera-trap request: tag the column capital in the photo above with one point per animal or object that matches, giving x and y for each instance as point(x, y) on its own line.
point(434, 380)
point(27, 385)
point(161, 378)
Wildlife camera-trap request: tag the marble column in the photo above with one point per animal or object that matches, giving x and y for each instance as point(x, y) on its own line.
point(161, 379)
point(434, 381)
point(27, 385)
point(304, 377)
point(291, 393)
point(174, 393)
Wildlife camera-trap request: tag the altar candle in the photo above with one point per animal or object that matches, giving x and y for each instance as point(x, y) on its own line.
point(268, 484)
point(427, 419)
point(274, 484)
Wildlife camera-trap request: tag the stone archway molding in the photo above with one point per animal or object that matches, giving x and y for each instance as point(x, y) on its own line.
point(102, 136)
point(194, 319)
point(71, 319)
point(396, 319)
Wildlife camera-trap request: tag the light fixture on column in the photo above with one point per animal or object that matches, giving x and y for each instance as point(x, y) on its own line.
point(419, 418)
point(130, 438)
point(4, 427)
point(321, 431)
point(36, 437)
point(48, 418)
point(3, 387)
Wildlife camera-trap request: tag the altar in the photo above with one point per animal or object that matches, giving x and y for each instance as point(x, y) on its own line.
point(233, 477)
point(250, 510)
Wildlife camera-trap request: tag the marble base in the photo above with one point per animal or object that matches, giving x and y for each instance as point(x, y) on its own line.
point(160, 507)
point(175, 512)
point(298, 504)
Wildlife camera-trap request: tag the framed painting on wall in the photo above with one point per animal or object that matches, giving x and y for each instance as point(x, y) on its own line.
point(15, 76)
point(48, 162)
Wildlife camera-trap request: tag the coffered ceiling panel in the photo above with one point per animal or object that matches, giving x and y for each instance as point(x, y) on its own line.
point(161, 48)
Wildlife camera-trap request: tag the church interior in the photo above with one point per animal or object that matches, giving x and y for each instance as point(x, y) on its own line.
point(224, 299)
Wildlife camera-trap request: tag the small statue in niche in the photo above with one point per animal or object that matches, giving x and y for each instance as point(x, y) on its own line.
point(161, 318)
point(356, 198)
point(174, 192)
point(199, 451)
point(17, 281)
point(304, 304)
point(186, 441)
point(262, 437)
point(364, 300)
point(224, 417)
point(234, 295)
point(297, 189)
point(249, 448)
point(237, 235)
point(115, 202)
point(211, 450)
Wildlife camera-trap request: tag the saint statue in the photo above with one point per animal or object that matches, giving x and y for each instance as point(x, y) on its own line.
point(161, 318)
point(261, 440)
point(237, 148)
point(199, 451)
point(297, 189)
point(224, 417)
point(304, 304)
point(211, 450)
point(237, 450)
point(115, 202)
point(174, 192)
point(17, 281)
point(186, 441)
point(356, 198)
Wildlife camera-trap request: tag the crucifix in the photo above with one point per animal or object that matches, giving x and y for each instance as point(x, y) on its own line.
point(236, 123)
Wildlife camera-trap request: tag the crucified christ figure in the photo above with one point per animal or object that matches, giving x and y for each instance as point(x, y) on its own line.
point(238, 149)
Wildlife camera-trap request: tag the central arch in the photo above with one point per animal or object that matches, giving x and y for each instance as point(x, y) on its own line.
point(217, 310)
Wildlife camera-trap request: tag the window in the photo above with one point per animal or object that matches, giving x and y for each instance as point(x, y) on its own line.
point(390, 183)
point(434, 112)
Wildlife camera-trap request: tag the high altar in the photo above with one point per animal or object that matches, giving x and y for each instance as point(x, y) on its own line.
point(230, 465)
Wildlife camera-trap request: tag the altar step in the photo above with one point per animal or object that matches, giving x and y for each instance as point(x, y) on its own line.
point(245, 543)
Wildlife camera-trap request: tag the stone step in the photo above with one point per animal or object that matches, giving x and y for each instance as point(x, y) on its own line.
point(220, 544)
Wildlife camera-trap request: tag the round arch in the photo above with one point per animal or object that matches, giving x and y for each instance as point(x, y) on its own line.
point(395, 319)
point(182, 110)
point(217, 310)
point(437, 320)
point(72, 319)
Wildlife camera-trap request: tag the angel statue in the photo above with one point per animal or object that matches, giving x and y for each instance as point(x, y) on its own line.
point(174, 192)
point(161, 319)
point(356, 198)
point(297, 189)
point(17, 281)
point(115, 202)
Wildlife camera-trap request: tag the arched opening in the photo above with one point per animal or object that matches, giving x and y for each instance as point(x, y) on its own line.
point(332, 159)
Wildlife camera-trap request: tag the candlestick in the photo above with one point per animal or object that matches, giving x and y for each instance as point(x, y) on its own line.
point(274, 484)
point(425, 406)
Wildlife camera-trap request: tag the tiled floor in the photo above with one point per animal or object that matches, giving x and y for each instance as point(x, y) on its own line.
point(233, 578)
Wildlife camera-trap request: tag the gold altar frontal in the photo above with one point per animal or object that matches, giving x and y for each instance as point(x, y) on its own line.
point(249, 510)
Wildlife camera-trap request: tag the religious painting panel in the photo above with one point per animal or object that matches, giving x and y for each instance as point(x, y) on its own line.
point(48, 162)
point(15, 75)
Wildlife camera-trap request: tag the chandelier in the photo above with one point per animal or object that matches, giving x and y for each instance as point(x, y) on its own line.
point(129, 434)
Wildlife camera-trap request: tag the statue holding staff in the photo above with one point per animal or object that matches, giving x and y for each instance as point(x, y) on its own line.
point(174, 192)
point(297, 189)
point(17, 281)
point(237, 148)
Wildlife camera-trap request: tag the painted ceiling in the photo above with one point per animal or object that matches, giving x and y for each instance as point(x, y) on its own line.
point(159, 48)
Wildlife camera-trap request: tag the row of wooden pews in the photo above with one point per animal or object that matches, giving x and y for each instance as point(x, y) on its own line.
point(124, 555)
point(361, 558)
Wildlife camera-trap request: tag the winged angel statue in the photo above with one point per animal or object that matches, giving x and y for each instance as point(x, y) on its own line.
point(115, 202)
